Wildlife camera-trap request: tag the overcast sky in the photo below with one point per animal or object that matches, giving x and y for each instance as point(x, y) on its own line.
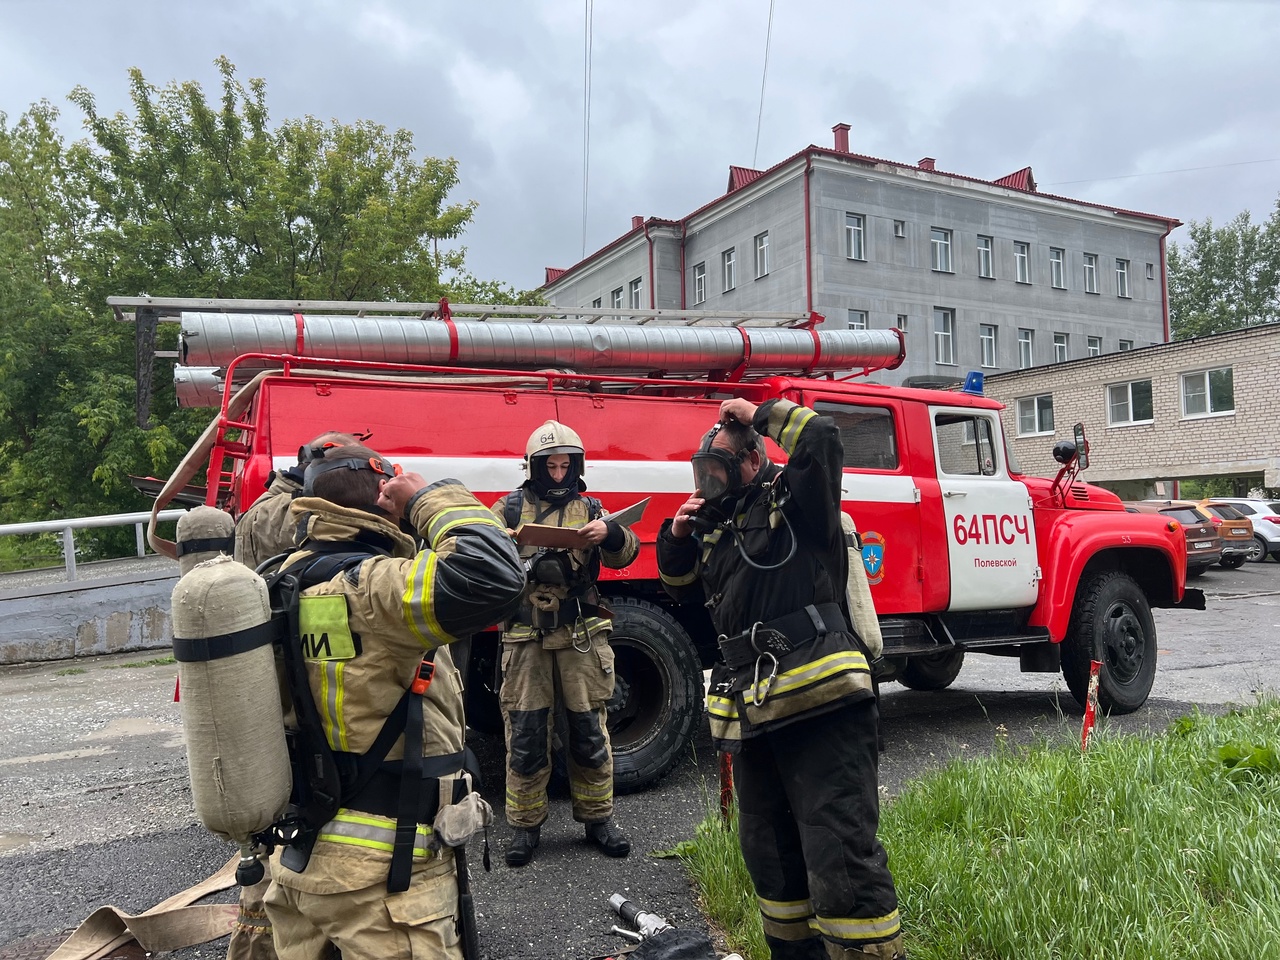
point(1111, 94)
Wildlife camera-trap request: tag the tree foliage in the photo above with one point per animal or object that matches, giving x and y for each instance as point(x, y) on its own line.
point(1226, 277)
point(184, 197)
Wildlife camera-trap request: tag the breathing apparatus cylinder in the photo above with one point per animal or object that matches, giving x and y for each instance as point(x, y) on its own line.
point(232, 719)
point(862, 609)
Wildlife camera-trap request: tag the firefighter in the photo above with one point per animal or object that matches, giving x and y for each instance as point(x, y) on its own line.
point(374, 885)
point(791, 698)
point(560, 639)
point(264, 530)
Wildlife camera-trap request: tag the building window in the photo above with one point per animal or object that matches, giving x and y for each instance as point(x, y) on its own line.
point(1035, 415)
point(615, 299)
point(1151, 271)
point(940, 241)
point(943, 349)
point(1025, 340)
point(1122, 278)
point(635, 294)
point(1022, 262)
point(984, 257)
point(901, 322)
point(1095, 346)
point(899, 228)
point(700, 282)
point(1059, 347)
point(1124, 345)
point(762, 255)
point(596, 302)
point(1057, 267)
point(1090, 273)
point(854, 236)
point(728, 262)
point(987, 339)
point(857, 319)
point(1208, 392)
point(1129, 402)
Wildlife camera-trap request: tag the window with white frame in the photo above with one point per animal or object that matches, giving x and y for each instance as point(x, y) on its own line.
point(1122, 277)
point(987, 340)
point(901, 322)
point(985, 263)
point(596, 302)
point(729, 266)
point(855, 235)
point(1026, 340)
point(1124, 345)
point(1208, 392)
point(1035, 415)
point(943, 346)
point(1095, 346)
point(700, 282)
point(615, 299)
point(1059, 347)
point(762, 255)
point(1022, 262)
point(857, 319)
point(1090, 273)
point(899, 228)
point(634, 292)
point(1058, 267)
point(940, 242)
point(1129, 403)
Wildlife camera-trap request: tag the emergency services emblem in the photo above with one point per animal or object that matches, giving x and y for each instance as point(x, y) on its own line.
point(873, 556)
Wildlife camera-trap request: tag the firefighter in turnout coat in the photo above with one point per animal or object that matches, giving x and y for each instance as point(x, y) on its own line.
point(560, 638)
point(378, 631)
point(791, 698)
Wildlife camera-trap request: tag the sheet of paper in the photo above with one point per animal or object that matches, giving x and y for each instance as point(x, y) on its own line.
point(628, 516)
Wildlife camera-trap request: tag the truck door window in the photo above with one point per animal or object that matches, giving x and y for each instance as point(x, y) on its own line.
point(966, 445)
point(867, 434)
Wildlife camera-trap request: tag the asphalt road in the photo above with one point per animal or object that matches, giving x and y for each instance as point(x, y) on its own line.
point(95, 808)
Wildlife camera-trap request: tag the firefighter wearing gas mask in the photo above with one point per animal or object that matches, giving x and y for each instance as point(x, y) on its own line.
point(378, 876)
point(558, 644)
point(761, 545)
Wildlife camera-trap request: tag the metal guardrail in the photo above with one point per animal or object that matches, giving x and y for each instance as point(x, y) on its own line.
point(68, 527)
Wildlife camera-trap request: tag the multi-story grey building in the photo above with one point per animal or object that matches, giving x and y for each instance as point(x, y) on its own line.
point(979, 274)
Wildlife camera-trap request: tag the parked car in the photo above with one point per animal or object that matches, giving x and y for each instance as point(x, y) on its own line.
point(1235, 529)
point(1204, 545)
point(1265, 515)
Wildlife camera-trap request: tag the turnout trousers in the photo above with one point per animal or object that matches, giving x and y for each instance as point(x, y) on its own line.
point(808, 812)
point(530, 676)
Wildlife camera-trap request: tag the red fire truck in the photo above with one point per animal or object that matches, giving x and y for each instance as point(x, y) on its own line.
point(964, 553)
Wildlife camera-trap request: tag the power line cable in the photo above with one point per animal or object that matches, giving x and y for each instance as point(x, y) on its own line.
point(768, 38)
point(1157, 173)
point(586, 118)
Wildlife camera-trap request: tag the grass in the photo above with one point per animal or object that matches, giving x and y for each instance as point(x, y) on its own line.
point(1142, 849)
point(133, 665)
point(70, 672)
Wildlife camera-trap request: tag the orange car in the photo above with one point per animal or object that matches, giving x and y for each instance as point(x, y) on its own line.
point(1235, 529)
point(1204, 545)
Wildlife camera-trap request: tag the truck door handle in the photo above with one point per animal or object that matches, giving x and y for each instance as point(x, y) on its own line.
point(955, 493)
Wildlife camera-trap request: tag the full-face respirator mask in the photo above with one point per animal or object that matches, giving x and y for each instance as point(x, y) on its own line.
point(717, 476)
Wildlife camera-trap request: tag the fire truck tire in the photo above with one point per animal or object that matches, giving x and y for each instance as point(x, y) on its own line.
point(933, 671)
point(1111, 622)
point(657, 702)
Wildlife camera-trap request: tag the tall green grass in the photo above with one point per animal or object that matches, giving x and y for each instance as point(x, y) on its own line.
point(1142, 849)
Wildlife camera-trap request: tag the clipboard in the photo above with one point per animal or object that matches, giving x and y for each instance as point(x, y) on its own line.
point(568, 538)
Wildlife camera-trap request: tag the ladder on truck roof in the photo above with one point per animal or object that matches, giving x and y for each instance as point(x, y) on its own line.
point(221, 340)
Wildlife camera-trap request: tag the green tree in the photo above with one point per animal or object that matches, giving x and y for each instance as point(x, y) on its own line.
point(1226, 277)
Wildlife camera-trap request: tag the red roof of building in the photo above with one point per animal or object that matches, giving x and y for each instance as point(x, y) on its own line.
point(740, 176)
point(1019, 180)
point(553, 274)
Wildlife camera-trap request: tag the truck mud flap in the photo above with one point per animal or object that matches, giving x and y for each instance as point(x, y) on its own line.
point(1192, 599)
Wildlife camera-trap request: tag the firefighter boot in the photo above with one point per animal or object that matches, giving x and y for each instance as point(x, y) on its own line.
point(522, 843)
point(608, 838)
point(890, 950)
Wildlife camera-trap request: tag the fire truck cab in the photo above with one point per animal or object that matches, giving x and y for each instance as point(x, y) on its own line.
point(963, 552)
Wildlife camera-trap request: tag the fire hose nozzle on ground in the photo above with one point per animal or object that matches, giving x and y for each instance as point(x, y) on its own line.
point(647, 924)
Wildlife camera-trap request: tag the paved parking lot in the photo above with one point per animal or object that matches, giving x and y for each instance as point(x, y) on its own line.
point(94, 806)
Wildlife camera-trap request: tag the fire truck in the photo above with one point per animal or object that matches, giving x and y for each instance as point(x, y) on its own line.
point(964, 553)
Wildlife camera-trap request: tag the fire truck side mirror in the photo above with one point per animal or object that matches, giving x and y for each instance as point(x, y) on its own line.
point(1082, 445)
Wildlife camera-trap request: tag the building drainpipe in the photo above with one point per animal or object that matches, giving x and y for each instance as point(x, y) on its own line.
point(682, 289)
point(808, 252)
point(652, 292)
point(1164, 280)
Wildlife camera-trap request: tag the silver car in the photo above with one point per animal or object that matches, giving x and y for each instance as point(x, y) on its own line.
point(1265, 515)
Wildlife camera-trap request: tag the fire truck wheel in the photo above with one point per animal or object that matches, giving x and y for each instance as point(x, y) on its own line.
point(934, 671)
point(657, 701)
point(1111, 622)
